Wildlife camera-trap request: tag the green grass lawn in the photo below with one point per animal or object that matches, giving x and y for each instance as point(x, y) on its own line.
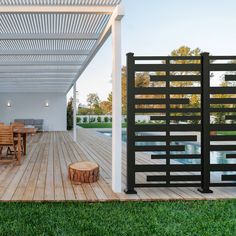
point(98, 125)
point(130, 218)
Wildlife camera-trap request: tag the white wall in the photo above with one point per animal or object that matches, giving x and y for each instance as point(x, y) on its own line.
point(32, 106)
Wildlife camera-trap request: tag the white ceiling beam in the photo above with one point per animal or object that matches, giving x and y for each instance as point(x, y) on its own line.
point(44, 89)
point(59, 91)
point(40, 63)
point(44, 52)
point(22, 68)
point(27, 80)
point(37, 71)
point(51, 36)
point(118, 14)
point(32, 86)
point(27, 9)
point(36, 76)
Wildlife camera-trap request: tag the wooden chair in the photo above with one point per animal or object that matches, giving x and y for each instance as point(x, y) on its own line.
point(7, 140)
point(16, 125)
point(1, 148)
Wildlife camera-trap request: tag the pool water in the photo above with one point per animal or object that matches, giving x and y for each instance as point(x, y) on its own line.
point(190, 148)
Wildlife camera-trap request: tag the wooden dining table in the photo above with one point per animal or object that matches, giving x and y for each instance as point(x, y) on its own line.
point(22, 132)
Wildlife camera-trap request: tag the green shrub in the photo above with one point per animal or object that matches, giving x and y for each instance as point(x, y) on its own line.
point(92, 120)
point(85, 119)
point(110, 119)
point(78, 120)
point(70, 115)
point(106, 119)
point(99, 119)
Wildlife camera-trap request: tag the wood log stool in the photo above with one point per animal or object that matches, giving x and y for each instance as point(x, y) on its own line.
point(83, 172)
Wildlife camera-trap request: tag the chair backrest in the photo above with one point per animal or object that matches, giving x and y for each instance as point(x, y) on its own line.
point(6, 135)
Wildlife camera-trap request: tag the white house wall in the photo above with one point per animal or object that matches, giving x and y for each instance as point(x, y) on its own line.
point(32, 106)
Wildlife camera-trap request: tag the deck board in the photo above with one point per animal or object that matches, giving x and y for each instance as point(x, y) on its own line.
point(43, 173)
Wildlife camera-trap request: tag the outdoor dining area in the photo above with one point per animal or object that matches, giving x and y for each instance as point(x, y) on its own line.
point(13, 141)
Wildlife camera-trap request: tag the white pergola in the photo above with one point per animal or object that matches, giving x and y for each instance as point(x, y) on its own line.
point(45, 45)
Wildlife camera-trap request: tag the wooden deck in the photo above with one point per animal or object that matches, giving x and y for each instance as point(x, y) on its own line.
point(43, 173)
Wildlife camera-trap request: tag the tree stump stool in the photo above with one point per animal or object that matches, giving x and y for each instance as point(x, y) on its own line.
point(83, 172)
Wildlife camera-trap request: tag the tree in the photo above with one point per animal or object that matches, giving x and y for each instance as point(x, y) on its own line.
point(124, 89)
point(185, 51)
point(106, 107)
point(70, 114)
point(141, 80)
point(83, 111)
point(93, 102)
point(219, 117)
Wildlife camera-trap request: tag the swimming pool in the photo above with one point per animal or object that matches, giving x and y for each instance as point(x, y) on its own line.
point(190, 148)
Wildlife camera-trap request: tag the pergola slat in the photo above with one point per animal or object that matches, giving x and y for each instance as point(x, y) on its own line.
point(54, 40)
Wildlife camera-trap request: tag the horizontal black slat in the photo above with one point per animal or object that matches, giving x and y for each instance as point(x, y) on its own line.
point(222, 184)
point(223, 127)
point(173, 78)
point(185, 118)
point(231, 156)
point(174, 178)
point(170, 110)
point(169, 58)
point(159, 148)
point(161, 101)
point(222, 67)
point(223, 167)
point(167, 185)
point(223, 101)
point(171, 90)
point(175, 118)
point(223, 138)
point(222, 90)
point(184, 156)
point(183, 168)
point(230, 117)
point(164, 168)
point(228, 177)
point(152, 138)
point(216, 110)
point(230, 77)
point(165, 67)
point(177, 127)
point(222, 57)
point(158, 118)
point(223, 147)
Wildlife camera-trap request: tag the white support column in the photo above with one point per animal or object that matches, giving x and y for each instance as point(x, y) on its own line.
point(116, 108)
point(74, 113)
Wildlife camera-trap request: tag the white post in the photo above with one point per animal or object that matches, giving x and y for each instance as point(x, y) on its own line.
point(74, 113)
point(116, 108)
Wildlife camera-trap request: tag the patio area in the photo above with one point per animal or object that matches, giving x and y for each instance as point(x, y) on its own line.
point(45, 48)
point(42, 176)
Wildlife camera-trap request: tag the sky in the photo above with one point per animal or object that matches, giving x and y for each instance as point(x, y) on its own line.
point(155, 28)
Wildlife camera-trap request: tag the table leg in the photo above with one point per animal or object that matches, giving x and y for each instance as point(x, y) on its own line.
point(24, 141)
point(19, 148)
